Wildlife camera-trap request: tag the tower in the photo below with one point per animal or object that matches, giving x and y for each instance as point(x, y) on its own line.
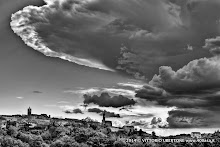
point(103, 118)
point(29, 111)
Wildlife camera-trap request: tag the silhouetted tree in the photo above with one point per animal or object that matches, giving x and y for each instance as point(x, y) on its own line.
point(153, 134)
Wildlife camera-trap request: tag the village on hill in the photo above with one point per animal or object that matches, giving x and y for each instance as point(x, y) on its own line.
point(33, 130)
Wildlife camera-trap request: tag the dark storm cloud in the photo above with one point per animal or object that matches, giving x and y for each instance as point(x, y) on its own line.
point(38, 27)
point(193, 88)
point(185, 119)
point(96, 110)
point(192, 118)
point(193, 110)
point(167, 46)
point(197, 76)
point(187, 102)
point(107, 113)
point(150, 92)
point(208, 100)
point(105, 100)
point(107, 34)
point(77, 110)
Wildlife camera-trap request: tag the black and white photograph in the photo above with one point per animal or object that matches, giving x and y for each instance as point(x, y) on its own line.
point(109, 73)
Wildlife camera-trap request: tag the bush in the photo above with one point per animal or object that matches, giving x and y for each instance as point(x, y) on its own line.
point(119, 143)
point(36, 141)
point(11, 142)
point(57, 143)
point(69, 142)
point(24, 137)
point(12, 131)
point(81, 138)
point(46, 135)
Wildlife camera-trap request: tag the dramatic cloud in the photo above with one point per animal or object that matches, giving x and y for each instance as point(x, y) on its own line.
point(192, 118)
point(186, 102)
point(198, 75)
point(73, 111)
point(197, 108)
point(150, 92)
point(31, 22)
point(107, 113)
point(105, 100)
point(108, 35)
point(96, 110)
point(193, 90)
point(194, 110)
point(166, 43)
point(70, 109)
point(209, 100)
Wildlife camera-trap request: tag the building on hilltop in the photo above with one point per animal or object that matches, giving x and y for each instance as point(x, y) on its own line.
point(103, 118)
point(30, 115)
point(29, 111)
point(128, 128)
point(196, 135)
point(3, 123)
point(104, 122)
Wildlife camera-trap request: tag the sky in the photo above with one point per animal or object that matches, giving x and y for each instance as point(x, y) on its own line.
point(154, 64)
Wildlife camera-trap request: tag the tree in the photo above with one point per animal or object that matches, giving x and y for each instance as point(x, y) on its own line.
point(57, 143)
point(46, 135)
point(69, 142)
point(153, 134)
point(8, 141)
point(24, 137)
point(36, 141)
point(81, 138)
point(12, 131)
point(119, 143)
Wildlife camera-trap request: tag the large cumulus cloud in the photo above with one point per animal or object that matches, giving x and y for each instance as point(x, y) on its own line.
point(105, 100)
point(77, 110)
point(198, 75)
point(108, 35)
point(190, 89)
point(197, 21)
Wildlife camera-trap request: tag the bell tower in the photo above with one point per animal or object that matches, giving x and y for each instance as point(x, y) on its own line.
point(103, 118)
point(29, 111)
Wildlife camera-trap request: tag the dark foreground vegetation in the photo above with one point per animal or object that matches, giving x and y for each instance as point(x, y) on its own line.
point(84, 134)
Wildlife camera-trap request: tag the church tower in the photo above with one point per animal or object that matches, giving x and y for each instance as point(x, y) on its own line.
point(29, 111)
point(103, 118)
